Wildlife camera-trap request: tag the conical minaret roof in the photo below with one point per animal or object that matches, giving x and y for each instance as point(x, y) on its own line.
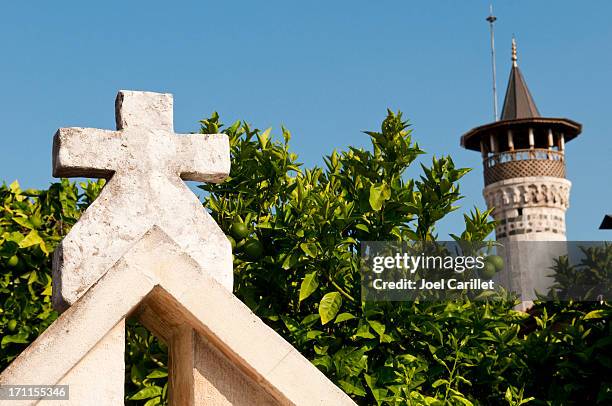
point(519, 114)
point(518, 102)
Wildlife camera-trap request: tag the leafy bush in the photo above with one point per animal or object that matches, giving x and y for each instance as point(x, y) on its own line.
point(296, 236)
point(32, 222)
point(589, 279)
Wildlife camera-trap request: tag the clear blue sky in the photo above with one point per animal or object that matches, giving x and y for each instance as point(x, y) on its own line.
point(324, 69)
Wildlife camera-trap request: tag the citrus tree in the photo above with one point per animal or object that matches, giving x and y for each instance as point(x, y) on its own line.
point(303, 278)
point(296, 235)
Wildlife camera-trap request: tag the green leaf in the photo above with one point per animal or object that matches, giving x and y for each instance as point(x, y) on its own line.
point(291, 324)
point(19, 338)
point(323, 362)
point(309, 285)
point(158, 373)
point(48, 290)
point(508, 395)
point(350, 361)
point(14, 187)
point(362, 227)
point(377, 326)
point(378, 393)
point(329, 306)
point(363, 331)
point(289, 261)
point(313, 334)
point(378, 194)
point(352, 388)
point(146, 393)
point(595, 314)
point(264, 137)
point(309, 320)
point(15, 236)
point(31, 239)
point(24, 222)
point(309, 249)
point(407, 358)
point(439, 382)
point(137, 374)
point(153, 402)
point(344, 317)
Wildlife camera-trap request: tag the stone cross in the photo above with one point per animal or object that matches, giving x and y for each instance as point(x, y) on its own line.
point(146, 249)
point(145, 163)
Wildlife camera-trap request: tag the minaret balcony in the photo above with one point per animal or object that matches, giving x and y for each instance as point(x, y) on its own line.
point(521, 163)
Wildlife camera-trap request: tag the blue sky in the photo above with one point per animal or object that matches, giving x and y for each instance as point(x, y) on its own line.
point(326, 70)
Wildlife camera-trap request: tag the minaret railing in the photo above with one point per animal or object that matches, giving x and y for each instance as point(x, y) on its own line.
point(523, 163)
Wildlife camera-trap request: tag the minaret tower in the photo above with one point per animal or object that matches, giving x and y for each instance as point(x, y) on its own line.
point(524, 174)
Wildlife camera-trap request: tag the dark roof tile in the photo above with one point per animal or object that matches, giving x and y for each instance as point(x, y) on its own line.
point(518, 102)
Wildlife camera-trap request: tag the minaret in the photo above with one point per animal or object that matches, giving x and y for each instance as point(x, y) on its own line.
point(524, 174)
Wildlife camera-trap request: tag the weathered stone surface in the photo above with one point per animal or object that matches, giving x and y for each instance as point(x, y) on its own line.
point(171, 294)
point(107, 358)
point(541, 201)
point(146, 163)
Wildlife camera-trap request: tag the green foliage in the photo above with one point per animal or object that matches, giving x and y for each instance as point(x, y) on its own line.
point(297, 235)
point(568, 348)
point(307, 285)
point(590, 279)
point(31, 224)
point(146, 361)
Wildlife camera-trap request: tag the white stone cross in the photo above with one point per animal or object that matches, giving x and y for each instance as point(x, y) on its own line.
point(146, 163)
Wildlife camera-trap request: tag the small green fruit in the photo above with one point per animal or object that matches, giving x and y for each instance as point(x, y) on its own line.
point(496, 261)
point(254, 249)
point(13, 261)
point(488, 271)
point(11, 325)
point(239, 230)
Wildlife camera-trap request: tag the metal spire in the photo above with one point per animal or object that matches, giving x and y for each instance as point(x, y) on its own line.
point(514, 58)
point(491, 19)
